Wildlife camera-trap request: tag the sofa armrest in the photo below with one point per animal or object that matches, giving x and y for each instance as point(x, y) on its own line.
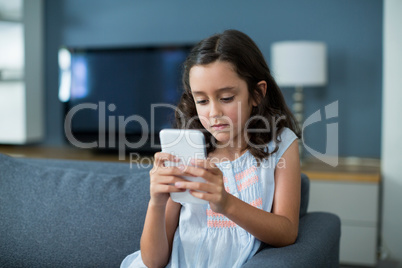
point(316, 246)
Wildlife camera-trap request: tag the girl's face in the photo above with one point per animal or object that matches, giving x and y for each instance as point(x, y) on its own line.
point(222, 101)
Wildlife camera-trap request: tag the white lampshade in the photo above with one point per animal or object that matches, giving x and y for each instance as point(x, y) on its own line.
point(299, 63)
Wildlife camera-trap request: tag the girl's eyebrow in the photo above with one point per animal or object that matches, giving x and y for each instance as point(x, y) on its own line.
point(224, 89)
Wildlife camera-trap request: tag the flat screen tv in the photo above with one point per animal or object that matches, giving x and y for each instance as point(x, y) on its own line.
point(120, 98)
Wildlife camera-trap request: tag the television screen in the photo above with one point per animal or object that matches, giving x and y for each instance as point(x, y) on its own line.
point(120, 95)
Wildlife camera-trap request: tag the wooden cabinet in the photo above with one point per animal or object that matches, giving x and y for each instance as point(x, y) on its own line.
point(352, 191)
point(21, 71)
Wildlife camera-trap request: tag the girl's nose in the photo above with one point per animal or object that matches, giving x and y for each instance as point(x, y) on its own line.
point(215, 110)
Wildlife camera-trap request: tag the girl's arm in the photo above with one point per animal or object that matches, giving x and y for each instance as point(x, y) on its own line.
point(157, 236)
point(279, 228)
point(162, 216)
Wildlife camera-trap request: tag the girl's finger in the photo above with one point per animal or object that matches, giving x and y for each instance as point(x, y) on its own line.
point(206, 164)
point(160, 158)
point(166, 180)
point(173, 170)
point(198, 172)
point(167, 188)
point(197, 186)
point(202, 195)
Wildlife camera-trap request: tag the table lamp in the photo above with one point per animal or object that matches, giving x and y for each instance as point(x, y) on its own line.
point(299, 64)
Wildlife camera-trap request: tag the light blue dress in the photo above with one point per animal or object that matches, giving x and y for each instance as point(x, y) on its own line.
point(208, 239)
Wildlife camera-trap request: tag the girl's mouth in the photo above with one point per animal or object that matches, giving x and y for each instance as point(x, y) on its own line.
point(219, 126)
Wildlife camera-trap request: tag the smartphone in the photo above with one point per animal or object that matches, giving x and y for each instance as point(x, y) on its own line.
point(186, 144)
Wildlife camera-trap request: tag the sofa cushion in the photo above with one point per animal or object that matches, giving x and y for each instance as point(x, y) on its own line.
point(64, 217)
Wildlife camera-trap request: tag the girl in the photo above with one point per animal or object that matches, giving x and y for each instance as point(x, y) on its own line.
point(252, 172)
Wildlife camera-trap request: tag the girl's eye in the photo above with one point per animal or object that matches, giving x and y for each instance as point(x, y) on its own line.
point(229, 99)
point(201, 102)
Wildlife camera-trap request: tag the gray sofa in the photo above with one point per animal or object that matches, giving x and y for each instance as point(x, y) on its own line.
point(64, 213)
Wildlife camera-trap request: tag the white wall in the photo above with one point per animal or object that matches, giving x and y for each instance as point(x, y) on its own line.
point(391, 155)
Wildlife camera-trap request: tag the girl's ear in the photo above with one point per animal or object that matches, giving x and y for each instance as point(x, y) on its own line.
point(262, 85)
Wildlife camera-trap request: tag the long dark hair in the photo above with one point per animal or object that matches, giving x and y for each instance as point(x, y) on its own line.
point(240, 50)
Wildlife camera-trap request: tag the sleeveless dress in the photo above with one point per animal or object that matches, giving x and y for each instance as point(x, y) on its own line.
point(204, 238)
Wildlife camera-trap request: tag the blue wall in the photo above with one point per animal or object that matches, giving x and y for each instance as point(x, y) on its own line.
point(351, 29)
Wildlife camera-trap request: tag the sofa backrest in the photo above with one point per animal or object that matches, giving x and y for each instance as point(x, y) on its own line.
point(123, 168)
point(66, 213)
point(305, 194)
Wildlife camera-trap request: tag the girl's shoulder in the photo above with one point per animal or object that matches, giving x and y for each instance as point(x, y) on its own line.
point(284, 139)
point(286, 135)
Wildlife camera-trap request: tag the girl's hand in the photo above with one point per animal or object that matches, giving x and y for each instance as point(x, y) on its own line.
point(213, 190)
point(163, 179)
